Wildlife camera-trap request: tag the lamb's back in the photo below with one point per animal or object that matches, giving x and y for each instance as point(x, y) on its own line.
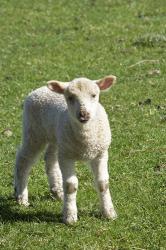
point(43, 108)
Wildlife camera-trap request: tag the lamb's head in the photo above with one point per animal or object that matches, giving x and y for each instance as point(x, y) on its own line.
point(82, 96)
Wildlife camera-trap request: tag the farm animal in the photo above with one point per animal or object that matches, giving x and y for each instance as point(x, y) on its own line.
point(67, 119)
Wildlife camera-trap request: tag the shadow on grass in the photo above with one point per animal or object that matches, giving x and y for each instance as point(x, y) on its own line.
point(11, 212)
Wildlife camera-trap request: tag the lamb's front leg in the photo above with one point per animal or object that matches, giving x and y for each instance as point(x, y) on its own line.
point(100, 171)
point(70, 185)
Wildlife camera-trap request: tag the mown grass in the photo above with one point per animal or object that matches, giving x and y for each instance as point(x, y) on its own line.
point(43, 40)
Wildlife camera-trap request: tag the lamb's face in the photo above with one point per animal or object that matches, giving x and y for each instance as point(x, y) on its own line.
point(82, 97)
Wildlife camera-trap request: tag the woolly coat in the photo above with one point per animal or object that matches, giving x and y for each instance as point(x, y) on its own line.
point(47, 119)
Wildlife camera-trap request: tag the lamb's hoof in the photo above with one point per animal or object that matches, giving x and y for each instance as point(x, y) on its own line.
point(22, 201)
point(57, 194)
point(70, 220)
point(110, 214)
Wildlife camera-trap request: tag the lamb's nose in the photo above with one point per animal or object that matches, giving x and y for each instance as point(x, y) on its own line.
point(84, 116)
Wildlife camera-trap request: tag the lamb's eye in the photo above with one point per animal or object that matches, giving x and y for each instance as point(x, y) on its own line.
point(71, 98)
point(93, 95)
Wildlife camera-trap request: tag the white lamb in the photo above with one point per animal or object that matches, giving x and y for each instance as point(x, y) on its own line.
point(67, 118)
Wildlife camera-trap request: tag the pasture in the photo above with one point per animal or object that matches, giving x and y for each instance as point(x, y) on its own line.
point(46, 39)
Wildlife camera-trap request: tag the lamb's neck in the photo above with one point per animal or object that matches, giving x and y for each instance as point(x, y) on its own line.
point(85, 131)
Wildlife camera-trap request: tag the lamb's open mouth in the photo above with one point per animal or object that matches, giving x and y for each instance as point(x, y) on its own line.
point(83, 120)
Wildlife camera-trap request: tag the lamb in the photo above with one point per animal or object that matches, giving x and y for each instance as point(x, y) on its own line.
point(67, 119)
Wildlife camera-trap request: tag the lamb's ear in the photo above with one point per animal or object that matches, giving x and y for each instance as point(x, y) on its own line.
point(106, 82)
point(57, 86)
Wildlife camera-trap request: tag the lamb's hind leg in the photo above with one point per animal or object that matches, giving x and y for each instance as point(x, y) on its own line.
point(53, 172)
point(25, 158)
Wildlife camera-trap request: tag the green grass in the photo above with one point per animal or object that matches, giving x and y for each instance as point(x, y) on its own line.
point(43, 40)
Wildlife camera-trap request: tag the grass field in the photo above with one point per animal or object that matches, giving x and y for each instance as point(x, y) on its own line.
point(43, 40)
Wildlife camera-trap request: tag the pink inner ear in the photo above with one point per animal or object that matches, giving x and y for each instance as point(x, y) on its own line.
point(106, 83)
point(56, 87)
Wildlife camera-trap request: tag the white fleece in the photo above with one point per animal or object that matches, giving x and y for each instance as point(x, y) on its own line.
point(50, 120)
